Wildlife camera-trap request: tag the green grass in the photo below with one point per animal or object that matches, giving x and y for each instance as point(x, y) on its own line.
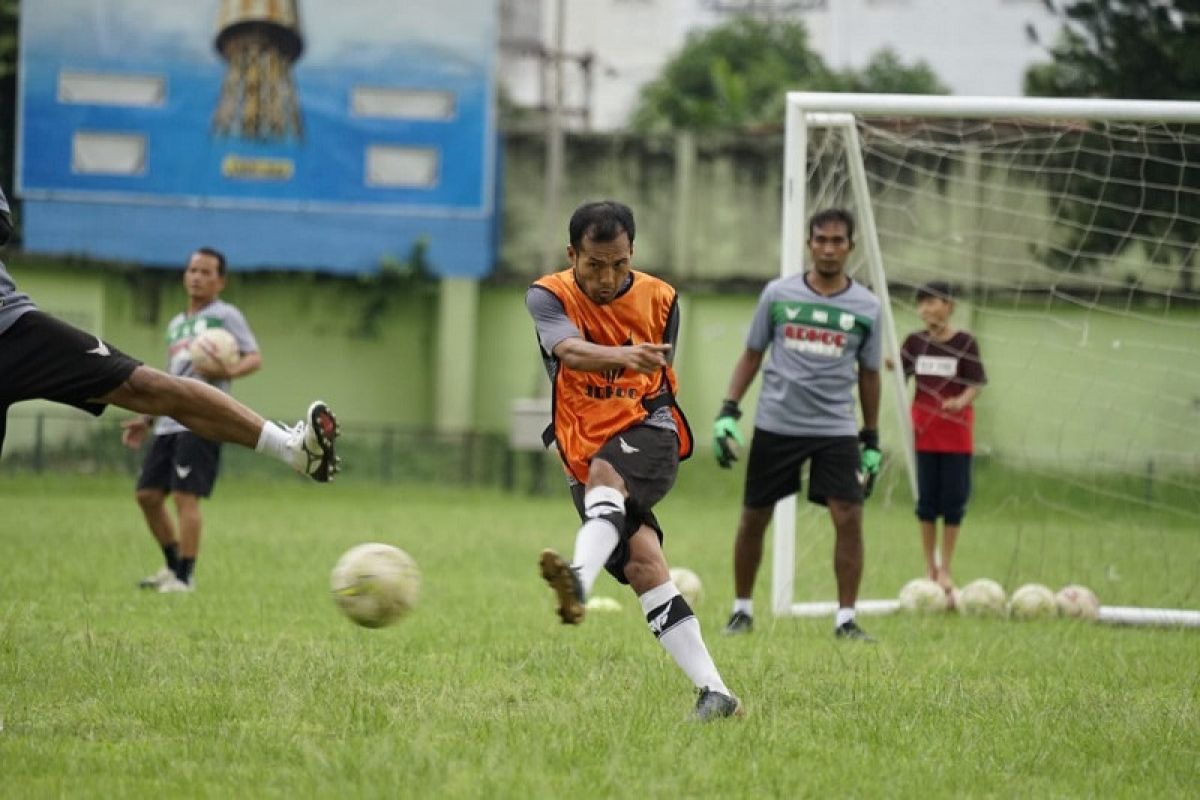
point(256, 687)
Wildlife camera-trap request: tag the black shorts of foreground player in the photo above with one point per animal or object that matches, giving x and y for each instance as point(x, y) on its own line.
point(44, 358)
point(619, 432)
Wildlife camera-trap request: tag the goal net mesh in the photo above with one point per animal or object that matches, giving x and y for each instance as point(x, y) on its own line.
point(1072, 249)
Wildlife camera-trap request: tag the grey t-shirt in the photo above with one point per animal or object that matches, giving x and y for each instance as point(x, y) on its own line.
point(554, 326)
point(817, 344)
point(12, 303)
point(183, 328)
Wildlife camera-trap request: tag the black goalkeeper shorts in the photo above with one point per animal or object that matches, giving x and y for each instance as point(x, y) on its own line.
point(773, 468)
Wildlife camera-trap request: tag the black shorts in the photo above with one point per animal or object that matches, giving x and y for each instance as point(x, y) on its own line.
point(647, 459)
point(943, 486)
point(773, 468)
point(181, 462)
point(44, 358)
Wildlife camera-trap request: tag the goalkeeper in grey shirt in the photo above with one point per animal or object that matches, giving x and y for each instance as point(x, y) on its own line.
point(822, 329)
point(44, 358)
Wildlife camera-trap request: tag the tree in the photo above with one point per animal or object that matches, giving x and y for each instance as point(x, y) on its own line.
point(735, 76)
point(1144, 49)
point(1122, 49)
point(885, 73)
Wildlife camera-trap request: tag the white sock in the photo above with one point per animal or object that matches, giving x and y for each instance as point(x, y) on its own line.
point(745, 605)
point(273, 440)
point(679, 634)
point(844, 615)
point(597, 537)
point(594, 543)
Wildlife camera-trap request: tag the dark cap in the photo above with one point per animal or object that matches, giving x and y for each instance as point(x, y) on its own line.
point(939, 289)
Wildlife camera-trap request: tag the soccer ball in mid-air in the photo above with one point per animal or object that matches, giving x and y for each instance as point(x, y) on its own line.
point(1078, 601)
point(980, 598)
point(688, 583)
point(922, 594)
point(375, 584)
point(213, 346)
point(1032, 601)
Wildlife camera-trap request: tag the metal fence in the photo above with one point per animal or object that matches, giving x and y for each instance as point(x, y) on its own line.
point(60, 441)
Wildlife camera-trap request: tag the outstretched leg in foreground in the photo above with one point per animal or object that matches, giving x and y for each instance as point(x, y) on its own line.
point(208, 412)
point(598, 536)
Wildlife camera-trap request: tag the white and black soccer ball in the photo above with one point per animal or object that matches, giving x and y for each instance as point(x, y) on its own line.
point(982, 597)
point(924, 596)
point(689, 585)
point(1032, 601)
point(375, 584)
point(1078, 601)
point(213, 346)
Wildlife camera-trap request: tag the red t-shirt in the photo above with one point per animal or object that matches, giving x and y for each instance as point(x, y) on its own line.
point(943, 370)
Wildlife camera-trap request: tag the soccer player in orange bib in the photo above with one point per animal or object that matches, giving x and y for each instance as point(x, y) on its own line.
point(607, 333)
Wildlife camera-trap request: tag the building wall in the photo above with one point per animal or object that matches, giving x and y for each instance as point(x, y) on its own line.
point(1119, 398)
point(370, 346)
point(976, 47)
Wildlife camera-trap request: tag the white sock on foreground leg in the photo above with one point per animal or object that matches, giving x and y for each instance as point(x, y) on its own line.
point(273, 440)
point(604, 508)
point(675, 626)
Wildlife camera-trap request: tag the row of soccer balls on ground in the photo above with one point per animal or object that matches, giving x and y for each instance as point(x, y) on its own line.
point(986, 597)
point(376, 584)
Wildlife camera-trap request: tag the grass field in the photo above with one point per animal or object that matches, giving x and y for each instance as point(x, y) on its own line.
point(255, 686)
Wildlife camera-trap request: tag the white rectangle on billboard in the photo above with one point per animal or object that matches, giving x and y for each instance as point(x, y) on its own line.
point(108, 153)
point(411, 167)
point(109, 89)
point(422, 104)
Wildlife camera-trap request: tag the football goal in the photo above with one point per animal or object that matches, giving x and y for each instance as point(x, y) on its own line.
point(1069, 231)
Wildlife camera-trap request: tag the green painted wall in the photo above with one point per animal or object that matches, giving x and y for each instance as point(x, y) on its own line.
point(367, 349)
point(1068, 385)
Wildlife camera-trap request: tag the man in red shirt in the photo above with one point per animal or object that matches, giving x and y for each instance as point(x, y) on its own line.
point(949, 375)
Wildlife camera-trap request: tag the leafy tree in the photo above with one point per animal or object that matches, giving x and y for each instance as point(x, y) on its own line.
point(731, 76)
point(885, 73)
point(734, 77)
point(1122, 49)
point(1147, 49)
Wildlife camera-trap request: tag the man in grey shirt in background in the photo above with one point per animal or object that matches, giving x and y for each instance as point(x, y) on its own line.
point(44, 358)
point(180, 463)
point(822, 329)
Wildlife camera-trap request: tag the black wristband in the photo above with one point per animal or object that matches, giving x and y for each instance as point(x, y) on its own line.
point(869, 438)
point(729, 408)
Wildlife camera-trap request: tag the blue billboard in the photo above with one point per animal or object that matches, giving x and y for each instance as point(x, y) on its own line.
point(296, 134)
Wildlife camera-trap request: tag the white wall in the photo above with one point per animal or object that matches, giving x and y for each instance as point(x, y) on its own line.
point(976, 47)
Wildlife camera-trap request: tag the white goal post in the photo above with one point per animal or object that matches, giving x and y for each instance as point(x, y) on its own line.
point(827, 114)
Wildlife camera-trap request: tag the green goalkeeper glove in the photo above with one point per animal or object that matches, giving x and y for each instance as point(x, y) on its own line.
point(872, 459)
point(724, 429)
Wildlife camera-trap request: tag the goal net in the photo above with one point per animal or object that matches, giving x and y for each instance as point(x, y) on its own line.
point(1069, 232)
